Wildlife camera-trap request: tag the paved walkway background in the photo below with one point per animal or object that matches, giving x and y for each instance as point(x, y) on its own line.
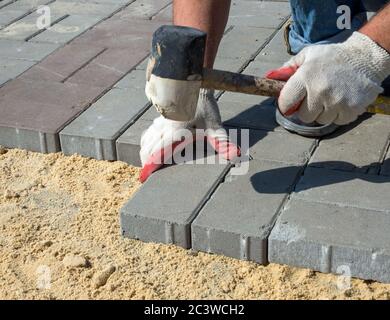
point(78, 85)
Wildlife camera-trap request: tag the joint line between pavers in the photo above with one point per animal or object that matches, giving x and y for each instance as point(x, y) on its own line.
point(244, 247)
point(84, 65)
point(169, 234)
point(44, 29)
point(326, 258)
point(256, 53)
point(154, 15)
point(209, 194)
point(282, 206)
point(23, 15)
point(267, 41)
point(99, 149)
point(43, 142)
point(7, 4)
point(339, 205)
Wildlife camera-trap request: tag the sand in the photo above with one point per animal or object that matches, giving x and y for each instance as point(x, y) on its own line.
point(59, 239)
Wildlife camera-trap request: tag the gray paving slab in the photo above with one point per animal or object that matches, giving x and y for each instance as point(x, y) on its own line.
point(275, 50)
point(94, 132)
point(128, 144)
point(109, 67)
point(348, 189)
point(329, 238)
point(239, 216)
point(281, 147)
point(248, 111)
point(9, 16)
point(385, 170)
point(26, 27)
point(165, 15)
point(265, 14)
point(67, 29)
point(63, 63)
point(32, 113)
point(25, 50)
point(143, 64)
point(122, 2)
point(11, 68)
point(243, 42)
point(118, 33)
point(85, 8)
point(259, 68)
point(143, 9)
point(227, 64)
point(26, 5)
point(358, 147)
point(134, 80)
point(168, 217)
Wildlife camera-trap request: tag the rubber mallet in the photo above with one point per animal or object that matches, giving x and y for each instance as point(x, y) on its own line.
point(175, 74)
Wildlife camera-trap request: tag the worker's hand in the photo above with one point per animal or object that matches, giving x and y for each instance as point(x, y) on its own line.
point(165, 137)
point(333, 83)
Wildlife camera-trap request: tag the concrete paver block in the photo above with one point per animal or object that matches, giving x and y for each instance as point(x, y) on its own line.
point(117, 33)
point(167, 218)
point(67, 29)
point(25, 50)
point(359, 148)
point(239, 216)
point(32, 113)
point(11, 68)
point(9, 16)
point(259, 68)
point(333, 239)
point(109, 67)
point(341, 188)
point(143, 9)
point(84, 9)
point(62, 63)
point(94, 132)
point(134, 80)
point(128, 144)
point(165, 15)
point(243, 42)
point(233, 65)
point(292, 149)
point(246, 111)
point(275, 50)
point(26, 27)
point(26, 5)
point(265, 14)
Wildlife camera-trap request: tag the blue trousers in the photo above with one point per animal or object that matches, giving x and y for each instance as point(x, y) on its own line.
point(315, 21)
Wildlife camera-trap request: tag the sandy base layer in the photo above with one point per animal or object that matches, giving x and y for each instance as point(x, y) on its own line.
point(59, 239)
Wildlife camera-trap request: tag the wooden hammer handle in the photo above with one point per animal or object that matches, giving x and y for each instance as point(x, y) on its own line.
point(237, 82)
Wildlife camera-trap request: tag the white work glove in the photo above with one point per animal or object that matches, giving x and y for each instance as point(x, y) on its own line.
point(333, 83)
point(165, 137)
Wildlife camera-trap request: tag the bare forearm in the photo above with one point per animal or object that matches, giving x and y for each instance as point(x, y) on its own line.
point(378, 28)
point(209, 16)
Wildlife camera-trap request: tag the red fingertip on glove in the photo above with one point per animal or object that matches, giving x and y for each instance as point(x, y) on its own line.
point(157, 160)
point(226, 149)
point(282, 74)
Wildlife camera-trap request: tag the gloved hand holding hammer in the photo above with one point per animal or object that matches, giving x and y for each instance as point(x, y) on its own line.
point(326, 83)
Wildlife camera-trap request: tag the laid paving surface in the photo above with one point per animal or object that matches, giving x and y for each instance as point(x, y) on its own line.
point(77, 86)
